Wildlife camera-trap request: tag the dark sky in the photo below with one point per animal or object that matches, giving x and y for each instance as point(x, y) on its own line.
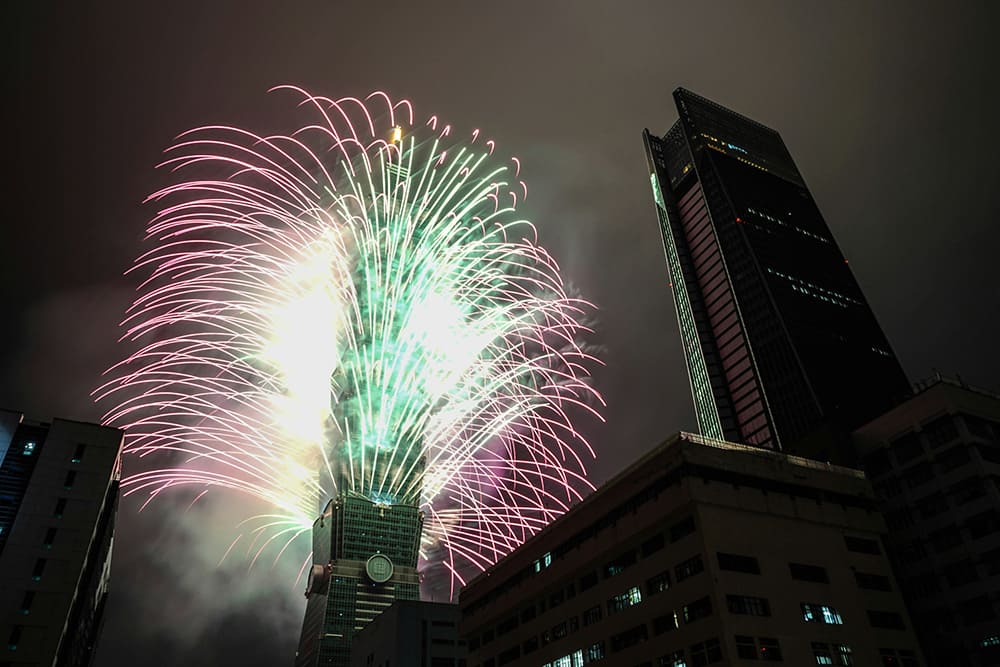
point(890, 110)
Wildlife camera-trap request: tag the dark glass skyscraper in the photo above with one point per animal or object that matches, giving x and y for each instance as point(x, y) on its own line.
point(781, 347)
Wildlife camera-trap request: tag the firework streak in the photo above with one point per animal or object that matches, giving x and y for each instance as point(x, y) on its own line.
point(355, 308)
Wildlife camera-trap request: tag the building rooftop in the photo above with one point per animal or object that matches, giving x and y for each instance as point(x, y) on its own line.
point(696, 453)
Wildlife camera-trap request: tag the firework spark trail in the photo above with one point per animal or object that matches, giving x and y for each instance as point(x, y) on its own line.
point(357, 299)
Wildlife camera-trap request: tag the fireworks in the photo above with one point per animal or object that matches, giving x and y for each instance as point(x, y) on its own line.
point(355, 307)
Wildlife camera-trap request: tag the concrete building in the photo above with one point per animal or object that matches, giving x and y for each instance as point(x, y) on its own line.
point(58, 497)
point(411, 634)
point(702, 552)
point(934, 462)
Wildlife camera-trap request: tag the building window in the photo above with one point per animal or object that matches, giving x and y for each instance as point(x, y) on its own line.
point(529, 646)
point(706, 652)
point(78, 454)
point(861, 545)
point(60, 508)
point(658, 584)
point(36, 572)
point(983, 524)
point(673, 659)
point(559, 630)
point(510, 655)
point(542, 563)
point(557, 598)
point(906, 448)
point(918, 475)
point(765, 648)
point(689, 568)
point(961, 573)
point(979, 427)
point(618, 565)
point(630, 637)
point(932, 505)
point(700, 608)
point(50, 537)
point(977, 610)
point(592, 615)
point(595, 651)
point(821, 653)
point(946, 539)
point(527, 613)
point(681, 528)
point(941, 431)
point(885, 619)
point(804, 572)
point(506, 626)
point(588, 581)
point(873, 582)
point(29, 448)
point(838, 654)
point(666, 623)
point(953, 458)
point(748, 605)
point(70, 479)
point(629, 598)
point(27, 601)
point(15, 637)
point(770, 649)
point(820, 613)
point(738, 563)
point(652, 545)
point(746, 647)
point(907, 658)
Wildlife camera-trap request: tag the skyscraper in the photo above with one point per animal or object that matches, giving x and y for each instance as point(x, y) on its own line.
point(782, 349)
point(58, 497)
point(366, 541)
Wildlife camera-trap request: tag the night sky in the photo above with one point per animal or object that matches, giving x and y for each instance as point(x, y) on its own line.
point(889, 109)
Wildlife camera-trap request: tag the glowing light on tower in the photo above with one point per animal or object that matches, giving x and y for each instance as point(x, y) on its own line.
point(355, 307)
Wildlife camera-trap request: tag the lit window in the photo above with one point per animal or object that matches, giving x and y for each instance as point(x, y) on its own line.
point(822, 653)
point(844, 655)
point(629, 598)
point(36, 573)
point(78, 454)
point(29, 448)
point(820, 613)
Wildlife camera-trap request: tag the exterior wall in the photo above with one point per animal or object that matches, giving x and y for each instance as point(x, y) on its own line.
point(423, 634)
point(634, 576)
point(55, 565)
point(935, 465)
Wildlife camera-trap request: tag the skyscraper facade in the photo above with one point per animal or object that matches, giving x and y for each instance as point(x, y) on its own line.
point(58, 498)
point(782, 349)
point(366, 541)
point(364, 558)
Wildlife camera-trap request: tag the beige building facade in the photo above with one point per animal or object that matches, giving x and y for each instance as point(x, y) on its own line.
point(701, 553)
